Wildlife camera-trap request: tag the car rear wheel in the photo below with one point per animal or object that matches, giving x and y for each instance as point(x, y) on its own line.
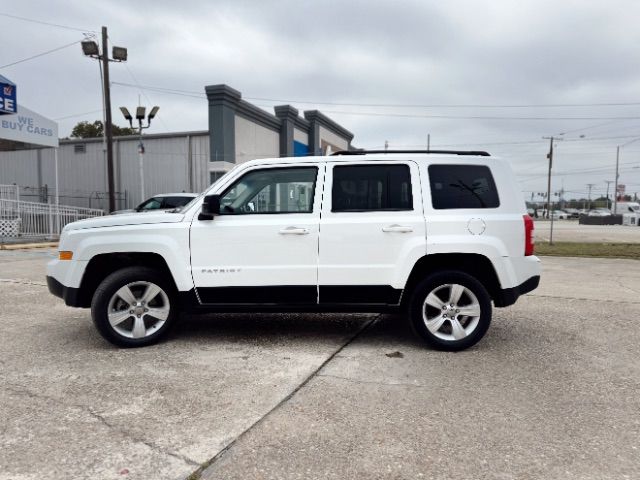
point(450, 310)
point(134, 307)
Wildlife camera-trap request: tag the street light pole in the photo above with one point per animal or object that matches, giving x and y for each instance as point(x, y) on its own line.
point(608, 182)
point(590, 186)
point(140, 114)
point(141, 159)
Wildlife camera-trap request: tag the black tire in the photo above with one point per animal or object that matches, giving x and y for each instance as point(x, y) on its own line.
point(443, 338)
point(137, 278)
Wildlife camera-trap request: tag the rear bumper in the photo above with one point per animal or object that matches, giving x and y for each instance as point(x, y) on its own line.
point(509, 296)
point(70, 295)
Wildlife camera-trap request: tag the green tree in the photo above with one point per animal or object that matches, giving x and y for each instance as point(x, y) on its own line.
point(94, 130)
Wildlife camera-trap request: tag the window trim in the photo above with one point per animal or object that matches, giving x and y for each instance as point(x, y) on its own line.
point(491, 176)
point(235, 182)
point(365, 210)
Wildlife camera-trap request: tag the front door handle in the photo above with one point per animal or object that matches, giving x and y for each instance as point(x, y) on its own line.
point(397, 228)
point(294, 231)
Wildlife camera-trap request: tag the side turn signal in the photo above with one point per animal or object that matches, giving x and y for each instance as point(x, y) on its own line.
point(65, 255)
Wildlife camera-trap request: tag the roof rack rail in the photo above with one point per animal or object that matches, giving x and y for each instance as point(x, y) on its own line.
point(478, 153)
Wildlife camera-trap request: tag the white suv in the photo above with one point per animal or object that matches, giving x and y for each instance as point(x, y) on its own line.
point(438, 235)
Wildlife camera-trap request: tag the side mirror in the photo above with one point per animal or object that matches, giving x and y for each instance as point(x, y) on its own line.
point(210, 207)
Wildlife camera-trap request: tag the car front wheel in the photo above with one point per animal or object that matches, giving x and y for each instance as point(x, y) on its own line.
point(133, 307)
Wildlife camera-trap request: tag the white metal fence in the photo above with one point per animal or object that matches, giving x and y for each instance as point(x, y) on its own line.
point(38, 220)
point(10, 192)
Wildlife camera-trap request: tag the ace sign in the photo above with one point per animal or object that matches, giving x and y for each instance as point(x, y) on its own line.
point(8, 103)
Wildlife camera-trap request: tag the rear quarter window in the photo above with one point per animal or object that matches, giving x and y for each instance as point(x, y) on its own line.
point(462, 186)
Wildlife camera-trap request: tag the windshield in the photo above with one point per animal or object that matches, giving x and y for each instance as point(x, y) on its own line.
point(199, 197)
point(151, 204)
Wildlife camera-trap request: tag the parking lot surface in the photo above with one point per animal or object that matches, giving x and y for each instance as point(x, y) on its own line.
point(572, 231)
point(551, 392)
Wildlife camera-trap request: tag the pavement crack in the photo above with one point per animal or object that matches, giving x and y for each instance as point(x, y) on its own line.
point(372, 382)
point(196, 475)
point(577, 298)
point(22, 282)
point(127, 434)
point(21, 390)
point(626, 287)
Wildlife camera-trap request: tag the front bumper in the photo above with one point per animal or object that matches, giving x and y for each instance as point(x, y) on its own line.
point(70, 295)
point(509, 296)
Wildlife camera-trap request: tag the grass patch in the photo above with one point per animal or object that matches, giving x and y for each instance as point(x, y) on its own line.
point(584, 249)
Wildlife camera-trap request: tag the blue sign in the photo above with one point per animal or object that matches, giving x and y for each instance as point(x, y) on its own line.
point(300, 149)
point(8, 103)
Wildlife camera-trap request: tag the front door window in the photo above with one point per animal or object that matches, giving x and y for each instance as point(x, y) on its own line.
point(274, 190)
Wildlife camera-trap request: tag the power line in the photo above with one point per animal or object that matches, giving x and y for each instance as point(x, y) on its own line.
point(77, 115)
point(25, 19)
point(184, 93)
point(475, 117)
point(40, 54)
point(445, 105)
point(201, 95)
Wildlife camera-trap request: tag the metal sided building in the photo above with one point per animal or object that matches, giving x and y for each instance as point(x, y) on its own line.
point(173, 162)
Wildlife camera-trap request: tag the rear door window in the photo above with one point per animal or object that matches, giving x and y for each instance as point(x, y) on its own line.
point(462, 186)
point(360, 188)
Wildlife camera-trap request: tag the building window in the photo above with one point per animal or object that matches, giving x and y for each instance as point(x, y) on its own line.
point(215, 176)
point(271, 190)
point(358, 188)
point(79, 148)
point(462, 186)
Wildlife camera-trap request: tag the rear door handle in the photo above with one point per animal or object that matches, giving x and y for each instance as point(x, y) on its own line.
point(294, 231)
point(397, 228)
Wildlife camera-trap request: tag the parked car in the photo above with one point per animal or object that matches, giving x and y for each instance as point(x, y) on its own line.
point(599, 212)
point(164, 201)
point(341, 233)
point(559, 215)
point(572, 212)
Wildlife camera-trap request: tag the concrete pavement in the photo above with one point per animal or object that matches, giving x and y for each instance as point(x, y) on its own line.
point(551, 392)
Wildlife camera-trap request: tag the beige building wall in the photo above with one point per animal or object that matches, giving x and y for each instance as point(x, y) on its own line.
point(328, 138)
point(254, 141)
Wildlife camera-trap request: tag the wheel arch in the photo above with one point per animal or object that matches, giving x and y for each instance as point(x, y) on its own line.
point(474, 264)
point(102, 265)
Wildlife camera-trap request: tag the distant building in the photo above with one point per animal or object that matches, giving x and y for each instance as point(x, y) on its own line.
point(173, 162)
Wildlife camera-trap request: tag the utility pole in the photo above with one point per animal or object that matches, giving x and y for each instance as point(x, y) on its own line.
point(90, 49)
point(590, 186)
point(550, 157)
point(615, 192)
point(386, 145)
point(107, 128)
point(428, 142)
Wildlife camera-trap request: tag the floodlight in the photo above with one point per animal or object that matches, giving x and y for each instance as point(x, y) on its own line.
point(125, 112)
point(140, 111)
point(119, 54)
point(90, 48)
point(153, 112)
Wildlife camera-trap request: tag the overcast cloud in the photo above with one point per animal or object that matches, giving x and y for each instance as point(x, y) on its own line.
point(314, 53)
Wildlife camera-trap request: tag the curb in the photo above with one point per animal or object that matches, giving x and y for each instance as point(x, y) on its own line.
point(21, 246)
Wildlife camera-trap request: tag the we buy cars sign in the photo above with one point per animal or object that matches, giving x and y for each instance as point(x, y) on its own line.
point(8, 102)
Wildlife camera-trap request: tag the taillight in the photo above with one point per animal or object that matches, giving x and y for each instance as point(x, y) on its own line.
point(529, 240)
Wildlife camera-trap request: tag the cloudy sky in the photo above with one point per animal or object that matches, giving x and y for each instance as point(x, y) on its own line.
point(496, 75)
